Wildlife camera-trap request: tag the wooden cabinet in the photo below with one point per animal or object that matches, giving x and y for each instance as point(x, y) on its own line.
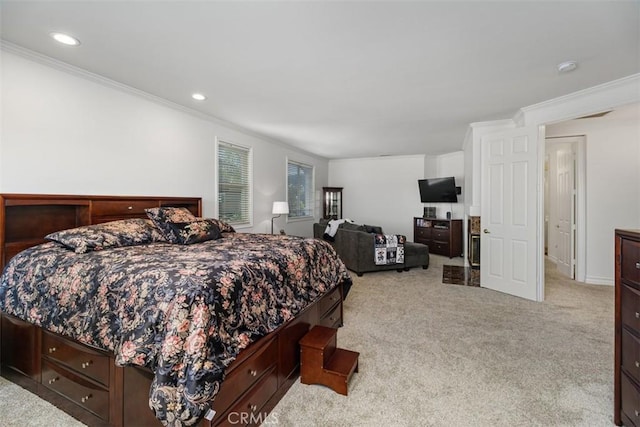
point(332, 202)
point(443, 236)
point(627, 328)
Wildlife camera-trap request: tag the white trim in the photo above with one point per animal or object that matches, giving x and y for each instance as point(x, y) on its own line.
point(540, 215)
point(587, 101)
point(104, 81)
point(596, 280)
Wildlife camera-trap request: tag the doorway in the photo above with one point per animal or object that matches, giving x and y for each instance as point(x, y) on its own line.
point(564, 204)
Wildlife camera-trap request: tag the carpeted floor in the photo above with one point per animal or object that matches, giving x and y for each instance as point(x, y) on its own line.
point(433, 354)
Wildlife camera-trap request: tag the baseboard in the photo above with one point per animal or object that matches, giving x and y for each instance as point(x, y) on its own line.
point(594, 280)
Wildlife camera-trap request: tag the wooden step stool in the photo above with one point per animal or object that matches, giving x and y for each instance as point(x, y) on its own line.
point(321, 362)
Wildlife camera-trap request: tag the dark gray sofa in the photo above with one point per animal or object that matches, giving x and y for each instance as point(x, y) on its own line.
point(356, 249)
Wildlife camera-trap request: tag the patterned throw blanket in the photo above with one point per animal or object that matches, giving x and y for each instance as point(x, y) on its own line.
point(389, 249)
point(185, 311)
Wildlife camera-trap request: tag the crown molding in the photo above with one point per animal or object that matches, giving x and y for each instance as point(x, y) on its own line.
point(583, 102)
point(104, 81)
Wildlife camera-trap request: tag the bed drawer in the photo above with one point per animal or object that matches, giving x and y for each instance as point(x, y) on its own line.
point(328, 301)
point(333, 319)
point(120, 208)
point(81, 359)
point(85, 394)
point(243, 376)
point(247, 410)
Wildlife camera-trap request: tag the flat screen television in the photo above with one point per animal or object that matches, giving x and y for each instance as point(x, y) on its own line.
point(438, 190)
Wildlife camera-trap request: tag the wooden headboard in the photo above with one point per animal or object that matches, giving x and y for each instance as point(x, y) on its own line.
point(25, 219)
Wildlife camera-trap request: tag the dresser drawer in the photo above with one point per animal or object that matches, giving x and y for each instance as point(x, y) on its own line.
point(440, 234)
point(423, 233)
point(437, 247)
point(328, 301)
point(631, 354)
point(333, 319)
point(120, 208)
point(630, 311)
point(243, 376)
point(630, 399)
point(85, 394)
point(630, 261)
point(81, 359)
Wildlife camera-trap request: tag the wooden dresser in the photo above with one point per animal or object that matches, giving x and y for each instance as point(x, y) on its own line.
point(443, 236)
point(627, 328)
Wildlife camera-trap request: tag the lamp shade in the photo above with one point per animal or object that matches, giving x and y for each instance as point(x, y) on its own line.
point(280, 208)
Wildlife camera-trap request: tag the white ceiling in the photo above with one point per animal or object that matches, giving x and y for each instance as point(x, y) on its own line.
point(343, 79)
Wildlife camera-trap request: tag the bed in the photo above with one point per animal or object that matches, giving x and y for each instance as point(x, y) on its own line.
point(197, 331)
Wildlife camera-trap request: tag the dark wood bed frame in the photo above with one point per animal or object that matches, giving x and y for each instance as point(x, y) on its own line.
point(84, 381)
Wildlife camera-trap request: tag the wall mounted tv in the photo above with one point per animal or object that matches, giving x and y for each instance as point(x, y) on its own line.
point(438, 190)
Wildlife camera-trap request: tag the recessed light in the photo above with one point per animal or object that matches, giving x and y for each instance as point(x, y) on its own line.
point(65, 39)
point(566, 66)
point(198, 97)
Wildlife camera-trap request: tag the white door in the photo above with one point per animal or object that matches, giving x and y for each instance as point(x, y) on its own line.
point(509, 198)
point(565, 209)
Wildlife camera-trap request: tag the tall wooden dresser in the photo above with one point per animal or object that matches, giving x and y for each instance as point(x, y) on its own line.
point(627, 329)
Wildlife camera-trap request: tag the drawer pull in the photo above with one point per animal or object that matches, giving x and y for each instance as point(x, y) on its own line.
point(637, 315)
point(637, 413)
point(637, 364)
point(53, 380)
point(638, 265)
point(86, 398)
point(52, 350)
point(253, 372)
point(85, 365)
point(130, 207)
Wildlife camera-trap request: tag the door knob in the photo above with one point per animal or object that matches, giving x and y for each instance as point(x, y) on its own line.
point(486, 231)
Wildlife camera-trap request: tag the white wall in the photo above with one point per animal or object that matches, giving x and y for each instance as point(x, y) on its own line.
point(613, 183)
point(64, 133)
point(380, 190)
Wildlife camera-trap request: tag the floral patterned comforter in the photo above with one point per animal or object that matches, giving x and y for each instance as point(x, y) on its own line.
point(185, 311)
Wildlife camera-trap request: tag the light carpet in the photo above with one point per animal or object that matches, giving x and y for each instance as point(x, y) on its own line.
point(434, 354)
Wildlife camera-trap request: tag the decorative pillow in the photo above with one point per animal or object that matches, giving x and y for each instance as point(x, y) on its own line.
point(114, 234)
point(161, 217)
point(223, 226)
point(197, 231)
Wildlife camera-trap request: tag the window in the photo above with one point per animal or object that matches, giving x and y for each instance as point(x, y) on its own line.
point(300, 189)
point(234, 183)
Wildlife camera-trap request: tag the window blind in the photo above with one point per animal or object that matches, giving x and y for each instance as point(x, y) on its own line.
point(234, 183)
point(299, 189)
